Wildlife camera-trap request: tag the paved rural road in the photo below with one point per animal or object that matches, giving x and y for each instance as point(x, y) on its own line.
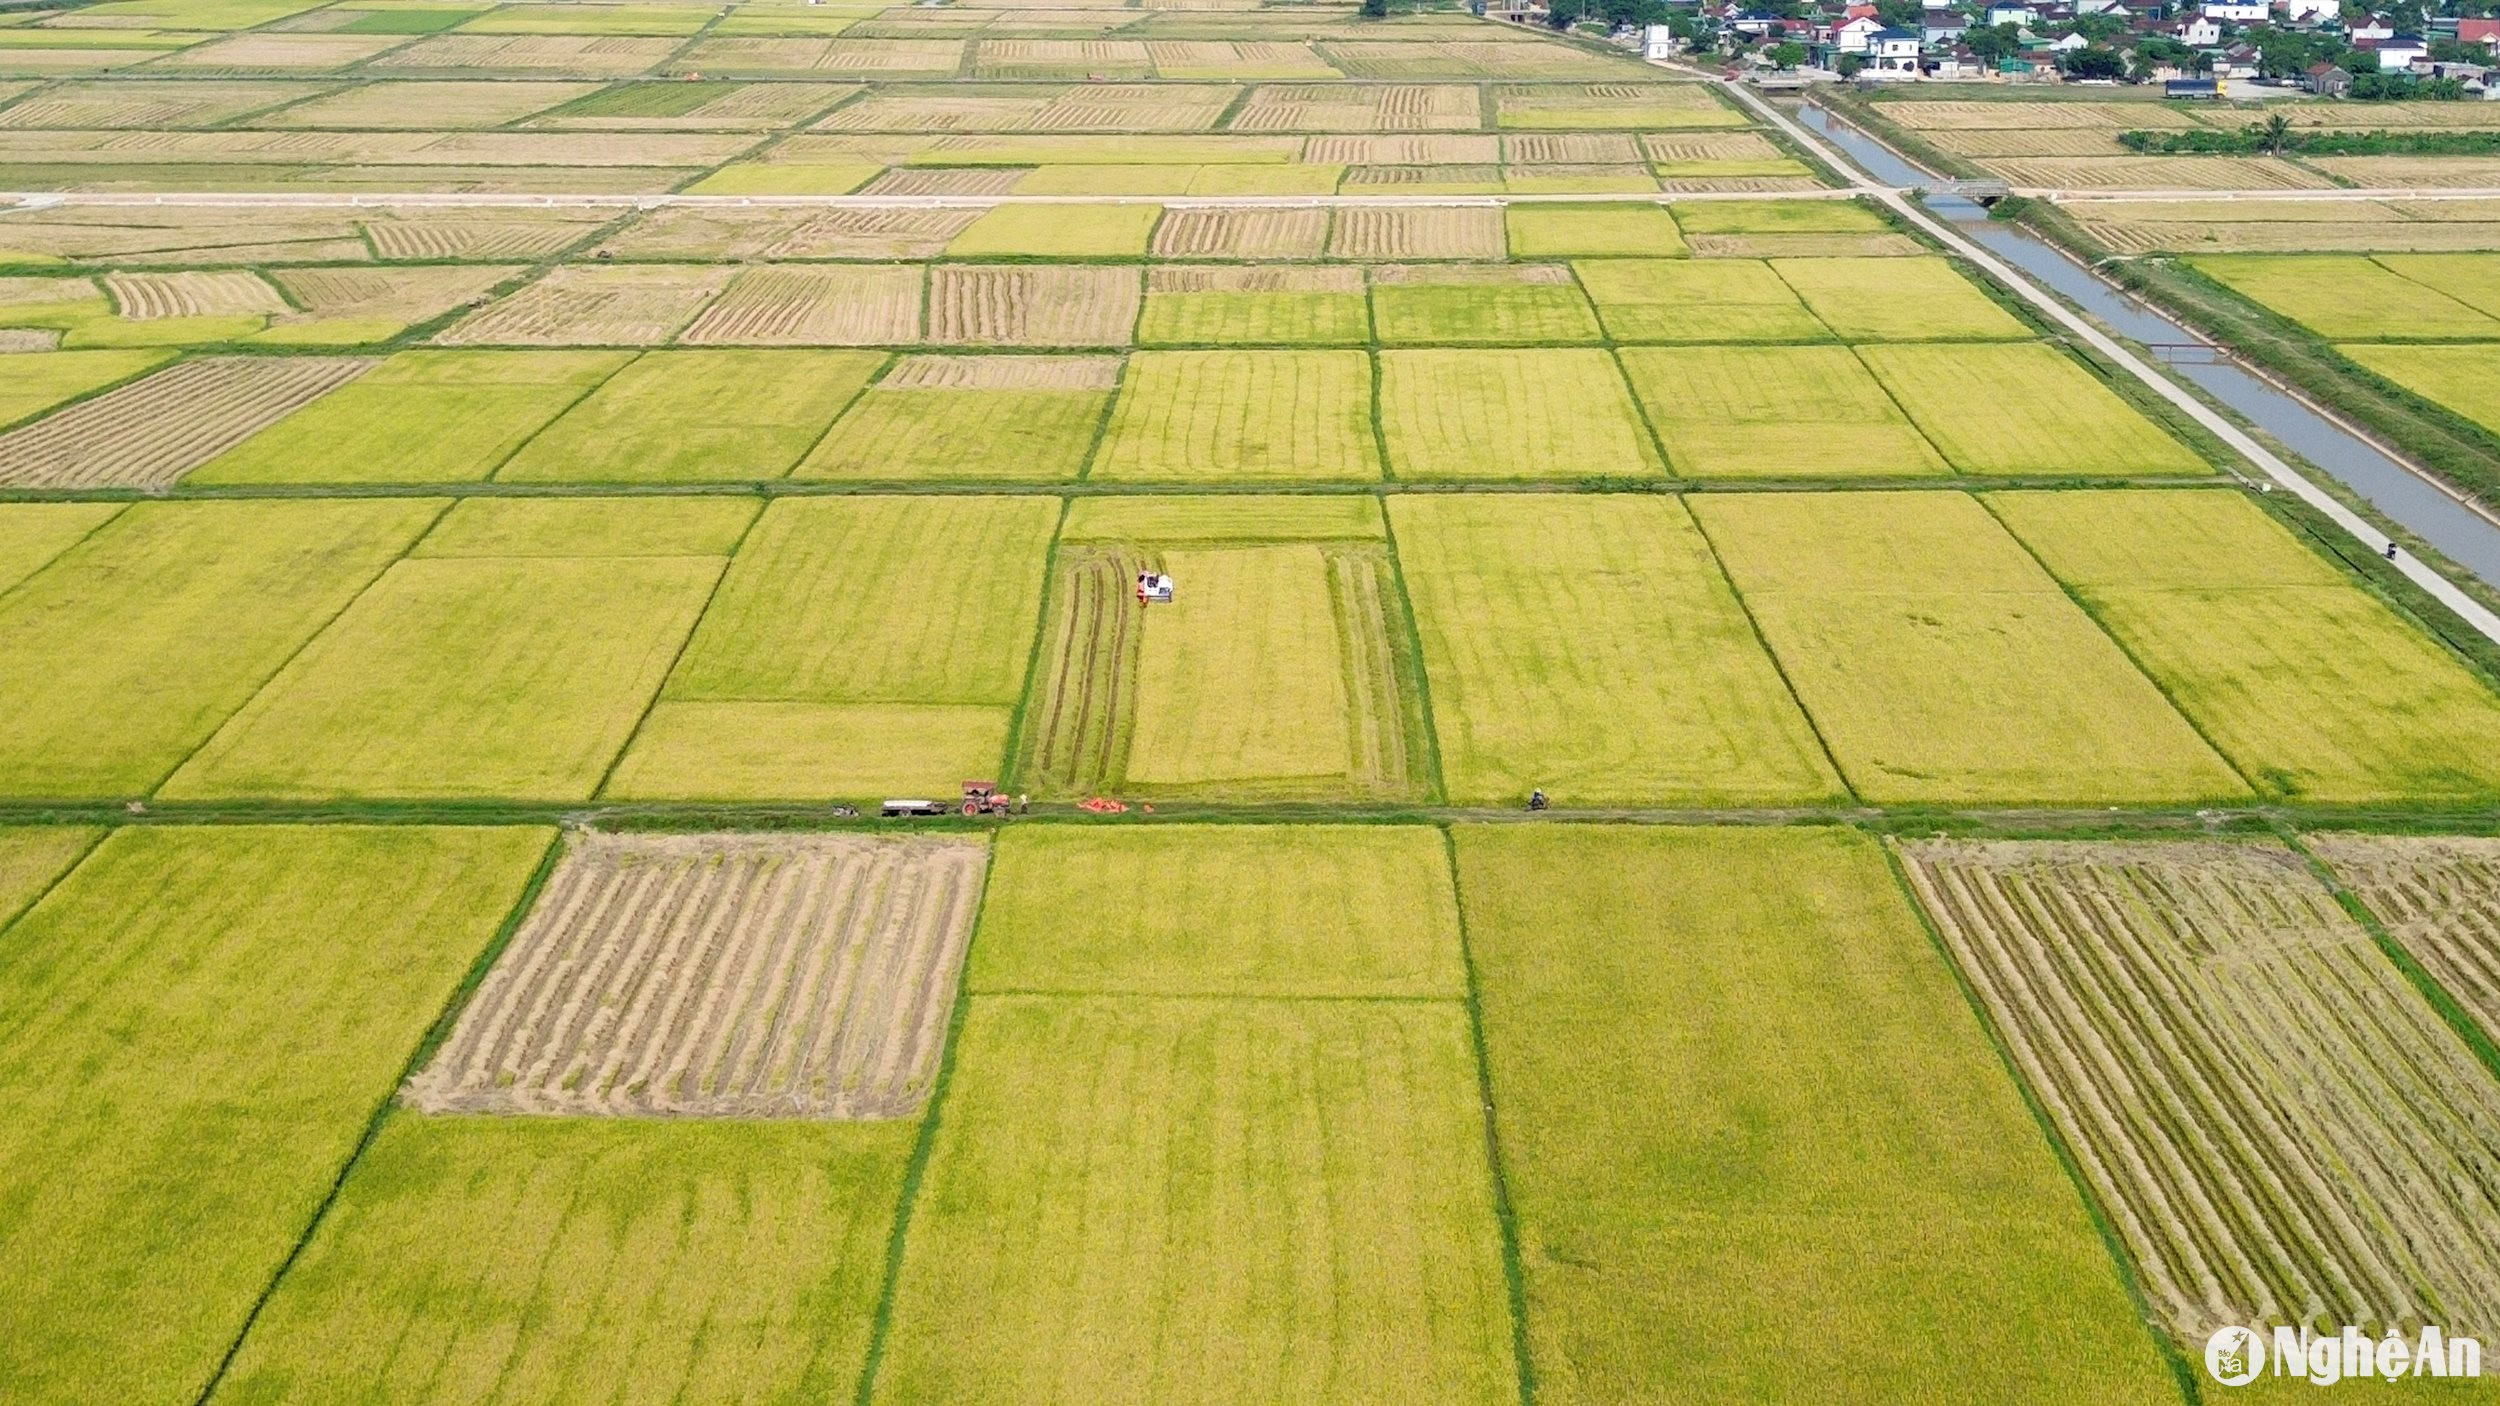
point(2466, 607)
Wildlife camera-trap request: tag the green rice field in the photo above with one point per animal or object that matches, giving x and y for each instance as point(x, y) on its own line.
point(599, 802)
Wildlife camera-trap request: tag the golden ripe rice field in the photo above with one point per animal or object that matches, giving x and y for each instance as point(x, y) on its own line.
point(593, 808)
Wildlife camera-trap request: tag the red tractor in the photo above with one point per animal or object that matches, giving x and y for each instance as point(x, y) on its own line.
point(984, 798)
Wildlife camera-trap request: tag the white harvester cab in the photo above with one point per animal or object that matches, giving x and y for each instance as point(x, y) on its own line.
point(1153, 586)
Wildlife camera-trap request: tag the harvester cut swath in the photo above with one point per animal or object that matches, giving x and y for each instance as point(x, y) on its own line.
point(1076, 732)
point(752, 976)
point(1082, 719)
point(2281, 1129)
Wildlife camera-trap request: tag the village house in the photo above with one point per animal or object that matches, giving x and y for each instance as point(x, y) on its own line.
point(1893, 51)
point(2370, 29)
point(2328, 81)
point(1853, 36)
point(2013, 12)
point(2311, 12)
point(2483, 32)
point(2398, 54)
point(2237, 11)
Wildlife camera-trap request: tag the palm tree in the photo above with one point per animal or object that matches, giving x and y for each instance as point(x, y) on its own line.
point(2275, 133)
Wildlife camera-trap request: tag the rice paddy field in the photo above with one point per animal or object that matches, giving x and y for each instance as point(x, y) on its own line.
point(2067, 141)
point(498, 500)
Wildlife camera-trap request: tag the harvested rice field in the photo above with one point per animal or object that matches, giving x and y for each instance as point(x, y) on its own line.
point(1199, 704)
point(2160, 998)
point(805, 978)
point(2436, 896)
point(1033, 305)
point(150, 432)
point(623, 305)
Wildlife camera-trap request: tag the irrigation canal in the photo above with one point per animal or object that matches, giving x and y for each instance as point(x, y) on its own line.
point(2467, 536)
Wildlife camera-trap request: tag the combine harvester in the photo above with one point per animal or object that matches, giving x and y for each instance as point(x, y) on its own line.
point(1152, 587)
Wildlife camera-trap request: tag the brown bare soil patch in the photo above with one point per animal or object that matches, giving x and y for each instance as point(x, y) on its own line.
point(2282, 1130)
point(592, 305)
point(721, 976)
point(1419, 232)
point(154, 430)
point(819, 306)
point(1273, 233)
point(2440, 897)
point(1033, 305)
point(1003, 373)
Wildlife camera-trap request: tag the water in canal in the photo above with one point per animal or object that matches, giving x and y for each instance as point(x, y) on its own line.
point(2466, 536)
